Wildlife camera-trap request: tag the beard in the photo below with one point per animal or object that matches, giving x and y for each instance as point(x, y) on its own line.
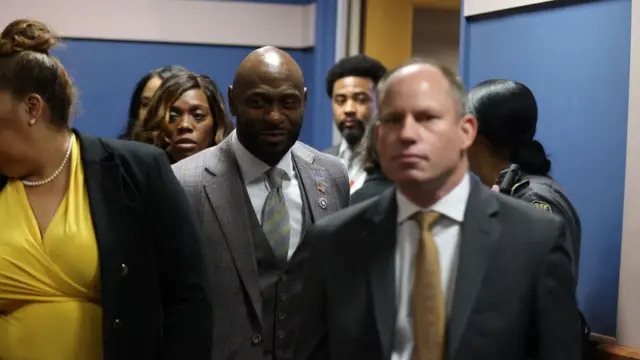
point(270, 152)
point(354, 134)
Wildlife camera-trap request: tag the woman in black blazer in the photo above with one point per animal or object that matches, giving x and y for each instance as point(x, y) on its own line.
point(100, 256)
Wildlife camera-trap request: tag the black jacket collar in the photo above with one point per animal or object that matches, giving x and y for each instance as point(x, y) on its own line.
point(93, 150)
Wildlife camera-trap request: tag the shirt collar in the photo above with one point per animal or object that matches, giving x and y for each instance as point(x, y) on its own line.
point(452, 205)
point(253, 168)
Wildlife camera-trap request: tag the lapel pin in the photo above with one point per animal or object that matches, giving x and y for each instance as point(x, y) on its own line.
point(322, 202)
point(321, 187)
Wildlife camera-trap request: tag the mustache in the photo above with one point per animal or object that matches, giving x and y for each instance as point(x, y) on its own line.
point(273, 129)
point(359, 123)
point(356, 120)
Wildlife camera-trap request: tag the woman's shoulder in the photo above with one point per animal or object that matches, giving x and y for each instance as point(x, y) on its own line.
point(546, 193)
point(130, 155)
point(98, 147)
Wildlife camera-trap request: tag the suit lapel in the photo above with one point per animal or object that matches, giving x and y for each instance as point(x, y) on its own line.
point(110, 206)
point(382, 249)
point(479, 232)
point(314, 182)
point(224, 188)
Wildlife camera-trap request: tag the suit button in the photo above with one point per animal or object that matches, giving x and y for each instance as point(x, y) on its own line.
point(117, 323)
point(124, 269)
point(257, 338)
point(280, 334)
point(283, 277)
point(283, 296)
point(281, 316)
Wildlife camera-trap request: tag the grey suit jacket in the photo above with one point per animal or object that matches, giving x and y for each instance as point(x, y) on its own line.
point(333, 150)
point(213, 184)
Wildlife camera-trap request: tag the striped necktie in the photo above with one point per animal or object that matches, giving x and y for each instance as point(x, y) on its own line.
point(427, 300)
point(275, 215)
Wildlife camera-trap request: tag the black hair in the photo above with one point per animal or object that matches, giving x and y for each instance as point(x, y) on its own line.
point(358, 65)
point(134, 104)
point(507, 115)
point(26, 67)
point(370, 158)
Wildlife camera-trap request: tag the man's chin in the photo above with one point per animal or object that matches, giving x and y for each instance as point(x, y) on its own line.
point(412, 176)
point(352, 138)
point(273, 151)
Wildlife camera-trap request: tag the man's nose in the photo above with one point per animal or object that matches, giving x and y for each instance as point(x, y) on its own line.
point(275, 115)
point(349, 108)
point(408, 128)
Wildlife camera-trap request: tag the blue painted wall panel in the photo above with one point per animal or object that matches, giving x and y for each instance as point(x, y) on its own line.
point(319, 120)
point(576, 60)
point(105, 73)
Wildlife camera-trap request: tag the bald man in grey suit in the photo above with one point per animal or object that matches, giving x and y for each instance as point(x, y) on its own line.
point(258, 261)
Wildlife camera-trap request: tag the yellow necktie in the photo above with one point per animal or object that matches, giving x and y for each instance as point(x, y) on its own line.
point(427, 301)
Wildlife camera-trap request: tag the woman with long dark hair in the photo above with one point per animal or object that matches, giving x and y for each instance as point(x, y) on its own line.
point(143, 94)
point(507, 114)
point(187, 115)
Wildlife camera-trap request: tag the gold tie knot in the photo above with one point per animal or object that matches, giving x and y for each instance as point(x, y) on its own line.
point(426, 219)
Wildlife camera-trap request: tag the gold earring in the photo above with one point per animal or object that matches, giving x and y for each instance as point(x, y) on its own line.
point(32, 121)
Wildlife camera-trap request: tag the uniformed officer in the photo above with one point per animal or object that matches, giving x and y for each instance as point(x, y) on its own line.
point(506, 154)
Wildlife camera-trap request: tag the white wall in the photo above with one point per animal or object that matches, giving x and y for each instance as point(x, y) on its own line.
point(177, 21)
point(628, 329)
point(476, 7)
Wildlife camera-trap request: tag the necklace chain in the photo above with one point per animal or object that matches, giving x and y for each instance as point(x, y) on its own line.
point(57, 172)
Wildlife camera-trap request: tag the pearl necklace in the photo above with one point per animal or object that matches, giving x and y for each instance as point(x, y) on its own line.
point(56, 173)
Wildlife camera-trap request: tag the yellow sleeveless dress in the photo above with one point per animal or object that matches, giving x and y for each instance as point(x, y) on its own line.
point(49, 286)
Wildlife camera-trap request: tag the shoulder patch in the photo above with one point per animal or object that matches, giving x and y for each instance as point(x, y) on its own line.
point(519, 186)
point(542, 205)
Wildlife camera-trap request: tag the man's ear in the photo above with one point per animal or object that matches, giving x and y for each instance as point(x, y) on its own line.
point(232, 103)
point(305, 94)
point(469, 129)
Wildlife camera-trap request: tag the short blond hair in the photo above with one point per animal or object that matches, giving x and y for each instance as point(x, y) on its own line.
point(457, 88)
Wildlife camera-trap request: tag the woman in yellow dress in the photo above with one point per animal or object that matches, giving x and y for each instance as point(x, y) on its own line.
point(100, 256)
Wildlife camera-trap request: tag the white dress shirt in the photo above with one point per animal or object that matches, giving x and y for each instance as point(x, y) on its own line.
point(446, 232)
point(355, 167)
point(254, 174)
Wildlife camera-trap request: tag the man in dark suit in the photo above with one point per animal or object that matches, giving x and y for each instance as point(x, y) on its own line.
point(255, 194)
point(351, 85)
point(441, 267)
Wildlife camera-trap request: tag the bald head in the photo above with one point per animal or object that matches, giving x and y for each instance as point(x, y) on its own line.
point(432, 70)
point(268, 61)
point(268, 99)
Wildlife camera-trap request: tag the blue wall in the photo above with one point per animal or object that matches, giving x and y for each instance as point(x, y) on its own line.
point(319, 131)
point(576, 60)
point(105, 73)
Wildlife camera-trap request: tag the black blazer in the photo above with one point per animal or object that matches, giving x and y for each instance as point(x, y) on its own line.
point(375, 184)
point(154, 288)
point(514, 290)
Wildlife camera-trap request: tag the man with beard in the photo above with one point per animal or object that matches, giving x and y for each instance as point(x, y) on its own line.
point(351, 85)
point(255, 194)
